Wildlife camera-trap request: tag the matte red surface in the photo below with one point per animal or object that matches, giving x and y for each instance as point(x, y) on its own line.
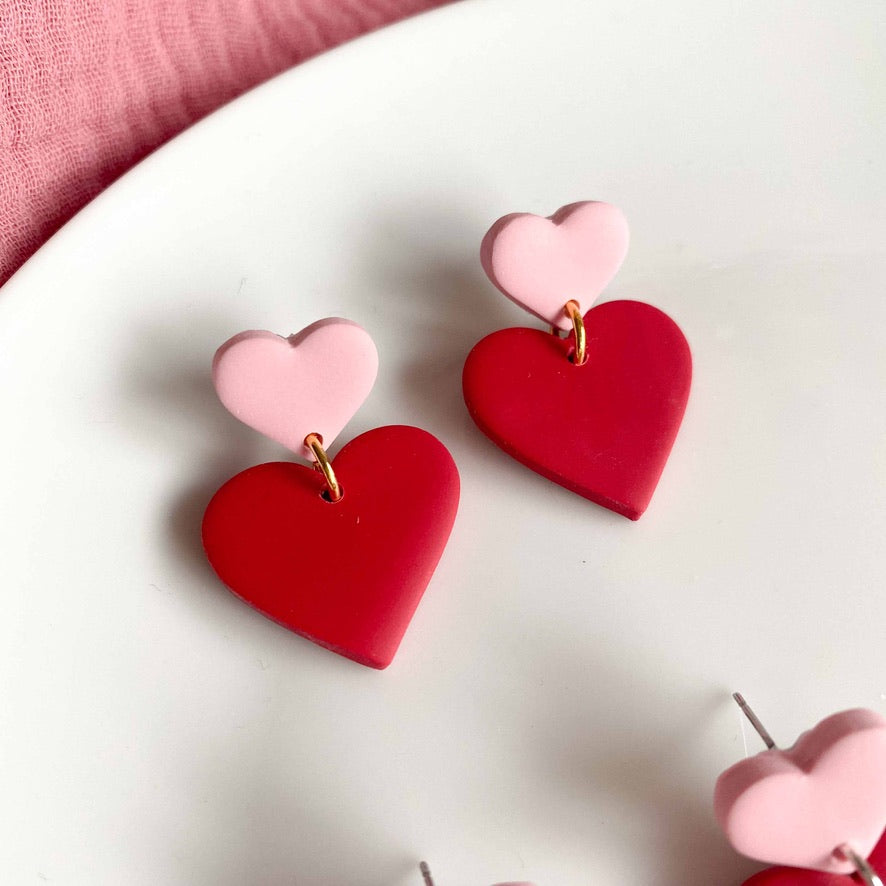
point(347, 575)
point(603, 429)
point(782, 876)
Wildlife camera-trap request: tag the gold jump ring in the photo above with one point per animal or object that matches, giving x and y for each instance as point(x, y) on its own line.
point(578, 326)
point(314, 442)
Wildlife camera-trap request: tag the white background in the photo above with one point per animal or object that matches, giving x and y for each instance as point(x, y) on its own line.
point(559, 709)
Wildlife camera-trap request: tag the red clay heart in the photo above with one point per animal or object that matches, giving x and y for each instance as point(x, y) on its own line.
point(347, 575)
point(603, 429)
point(782, 876)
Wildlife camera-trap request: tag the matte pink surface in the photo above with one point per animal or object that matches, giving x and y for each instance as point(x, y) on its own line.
point(89, 87)
point(795, 807)
point(542, 263)
point(310, 383)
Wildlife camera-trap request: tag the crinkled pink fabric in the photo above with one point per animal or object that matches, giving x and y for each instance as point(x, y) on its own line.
point(89, 87)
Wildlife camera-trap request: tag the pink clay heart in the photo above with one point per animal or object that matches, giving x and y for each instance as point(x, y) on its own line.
point(797, 806)
point(310, 383)
point(542, 263)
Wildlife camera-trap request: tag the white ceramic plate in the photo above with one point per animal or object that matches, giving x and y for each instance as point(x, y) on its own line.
point(559, 709)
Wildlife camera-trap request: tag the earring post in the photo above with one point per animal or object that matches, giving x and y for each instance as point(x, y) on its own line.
point(748, 711)
point(862, 866)
point(426, 873)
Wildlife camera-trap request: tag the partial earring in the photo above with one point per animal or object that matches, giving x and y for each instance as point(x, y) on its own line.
point(429, 880)
point(817, 809)
point(597, 411)
point(338, 550)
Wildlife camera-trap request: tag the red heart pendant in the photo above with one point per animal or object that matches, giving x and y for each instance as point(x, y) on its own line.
point(347, 575)
point(603, 429)
point(782, 876)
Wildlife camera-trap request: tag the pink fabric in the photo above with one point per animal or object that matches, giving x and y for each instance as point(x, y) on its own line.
point(89, 87)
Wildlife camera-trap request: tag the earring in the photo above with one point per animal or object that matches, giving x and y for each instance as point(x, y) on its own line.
point(339, 553)
point(596, 412)
point(866, 872)
point(819, 805)
point(429, 880)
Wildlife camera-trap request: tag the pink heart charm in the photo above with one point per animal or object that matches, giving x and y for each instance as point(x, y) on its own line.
point(542, 263)
point(797, 806)
point(286, 388)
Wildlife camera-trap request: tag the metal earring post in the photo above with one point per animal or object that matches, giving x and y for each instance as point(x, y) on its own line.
point(862, 867)
point(754, 719)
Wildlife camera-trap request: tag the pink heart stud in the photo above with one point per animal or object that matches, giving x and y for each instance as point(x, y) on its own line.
point(542, 263)
point(286, 388)
point(797, 806)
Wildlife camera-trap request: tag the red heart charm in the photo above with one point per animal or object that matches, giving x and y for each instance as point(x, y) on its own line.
point(603, 429)
point(347, 575)
point(782, 876)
